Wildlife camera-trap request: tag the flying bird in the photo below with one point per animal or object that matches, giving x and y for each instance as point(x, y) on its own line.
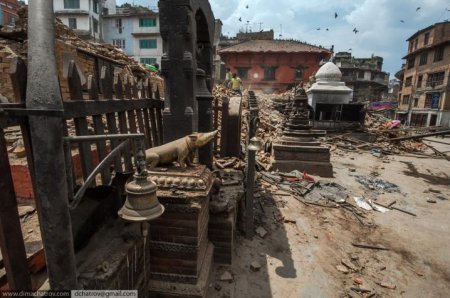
point(326, 29)
point(246, 7)
point(335, 15)
point(417, 9)
point(355, 30)
point(401, 21)
point(350, 49)
point(240, 19)
point(318, 29)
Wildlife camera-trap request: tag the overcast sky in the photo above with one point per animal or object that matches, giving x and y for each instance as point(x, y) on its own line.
point(380, 30)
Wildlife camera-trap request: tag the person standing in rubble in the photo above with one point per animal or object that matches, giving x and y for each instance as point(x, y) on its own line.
point(236, 84)
point(228, 78)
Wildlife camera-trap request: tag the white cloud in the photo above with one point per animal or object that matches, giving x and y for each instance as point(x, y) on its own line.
point(378, 21)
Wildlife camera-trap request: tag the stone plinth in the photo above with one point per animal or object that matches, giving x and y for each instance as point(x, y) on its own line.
point(180, 252)
point(303, 156)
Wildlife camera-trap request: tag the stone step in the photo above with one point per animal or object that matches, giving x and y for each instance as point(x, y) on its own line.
point(322, 169)
point(296, 142)
point(300, 148)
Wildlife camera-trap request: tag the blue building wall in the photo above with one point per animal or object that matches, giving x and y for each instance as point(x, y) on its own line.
point(111, 32)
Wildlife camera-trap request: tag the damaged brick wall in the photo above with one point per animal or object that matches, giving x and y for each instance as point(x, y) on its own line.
point(6, 89)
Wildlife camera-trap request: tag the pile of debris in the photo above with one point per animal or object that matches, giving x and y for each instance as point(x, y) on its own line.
point(220, 91)
point(14, 43)
point(380, 131)
point(19, 33)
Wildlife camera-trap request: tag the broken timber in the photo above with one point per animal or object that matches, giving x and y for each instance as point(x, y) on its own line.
point(445, 132)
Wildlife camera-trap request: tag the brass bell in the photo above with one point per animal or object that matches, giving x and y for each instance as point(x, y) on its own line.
point(254, 144)
point(141, 203)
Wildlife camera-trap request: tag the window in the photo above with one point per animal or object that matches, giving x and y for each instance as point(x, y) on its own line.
point(148, 60)
point(360, 74)
point(242, 72)
point(95, 24)
point(419, 119)
point(72, 23)
point(419, 81)
point(71, 4)
point(423, 58)
point(435, 79)
point(299, 73)
point(95, 6)
point(416, 102)
point(427, 104)
point(269, 73)
point(432, 100)
point(426, 38)
point(119, 25)
point(415, 44)
point(147, 44)
point(411, 62)
point(147, 22)
point(12, 21)
point(439, 54)
point(408, 81)
point(120, 43)
point(405, 100)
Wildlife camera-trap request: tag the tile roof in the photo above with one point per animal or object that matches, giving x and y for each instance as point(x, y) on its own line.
point(273, 46)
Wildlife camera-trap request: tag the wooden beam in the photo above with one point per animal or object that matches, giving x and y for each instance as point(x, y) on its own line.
point(11, 239)
point(74, 109)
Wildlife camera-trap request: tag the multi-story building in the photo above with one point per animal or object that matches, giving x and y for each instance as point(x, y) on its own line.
point(364, 75)
point(273, 64)
point(425, 92)
point(8, 12)
point(136, 31)
point(84, 16)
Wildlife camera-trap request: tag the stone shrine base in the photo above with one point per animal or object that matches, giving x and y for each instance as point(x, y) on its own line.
point(173, 289)
point(319, 168)
point(302, 156)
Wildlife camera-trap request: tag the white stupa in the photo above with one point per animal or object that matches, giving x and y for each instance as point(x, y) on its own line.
point(328, 88)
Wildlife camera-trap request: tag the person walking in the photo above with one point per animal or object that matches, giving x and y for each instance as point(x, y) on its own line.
point(236, 84)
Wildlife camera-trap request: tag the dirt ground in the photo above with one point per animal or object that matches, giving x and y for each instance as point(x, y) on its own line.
point(300, 254)
point(305, 244)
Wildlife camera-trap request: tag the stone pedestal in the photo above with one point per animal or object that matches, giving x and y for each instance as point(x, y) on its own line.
point(117, 257)
point(180, 252)
point(298, 147)
point(223, 215)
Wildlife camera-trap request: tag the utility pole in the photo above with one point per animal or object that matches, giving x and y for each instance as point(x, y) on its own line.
point(101, 5)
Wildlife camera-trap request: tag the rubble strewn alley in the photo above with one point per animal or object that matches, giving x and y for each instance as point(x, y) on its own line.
point(323, 244)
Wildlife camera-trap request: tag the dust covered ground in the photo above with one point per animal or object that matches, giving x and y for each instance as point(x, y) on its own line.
point(308, 250)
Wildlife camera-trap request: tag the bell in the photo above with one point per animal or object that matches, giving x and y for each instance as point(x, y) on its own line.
point(254, 144)
point(202, 91)
point(141, 203)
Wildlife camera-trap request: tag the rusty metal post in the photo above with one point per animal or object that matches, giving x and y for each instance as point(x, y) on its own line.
point(43, 93)
point(205, 121)
point(253, 147)
point(216, 122)
point(223, 125)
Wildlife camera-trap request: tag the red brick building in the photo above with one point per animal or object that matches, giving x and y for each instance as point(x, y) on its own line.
point(273, 64)
point(8, 12)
